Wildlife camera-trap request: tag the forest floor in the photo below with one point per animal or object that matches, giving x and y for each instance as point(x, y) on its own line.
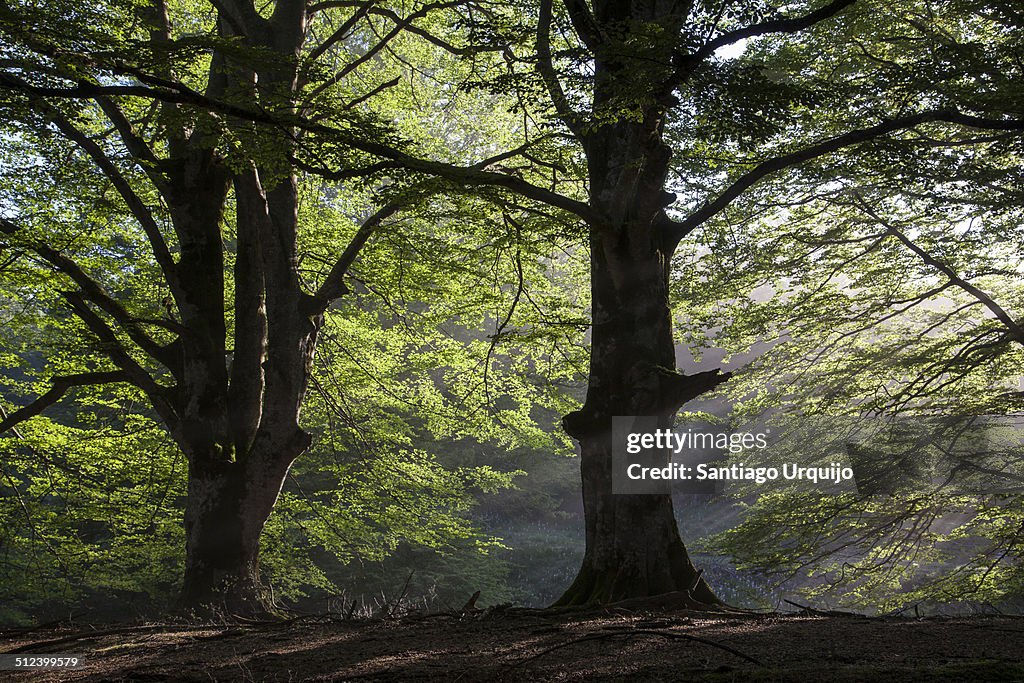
point(529, 645)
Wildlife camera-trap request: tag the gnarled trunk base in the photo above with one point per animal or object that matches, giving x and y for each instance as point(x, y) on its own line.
point(228, 505)
point(633, 545)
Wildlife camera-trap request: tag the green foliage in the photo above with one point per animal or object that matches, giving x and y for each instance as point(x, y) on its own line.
point(90, 508)
point(868, 290)
point(464, 324)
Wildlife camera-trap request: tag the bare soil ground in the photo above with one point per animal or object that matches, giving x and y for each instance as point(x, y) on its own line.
point(523, 645)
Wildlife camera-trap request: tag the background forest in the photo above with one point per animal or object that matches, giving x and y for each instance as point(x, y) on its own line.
point(329, 304)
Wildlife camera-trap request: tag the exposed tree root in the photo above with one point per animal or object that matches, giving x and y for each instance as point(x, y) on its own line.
point(641, 632)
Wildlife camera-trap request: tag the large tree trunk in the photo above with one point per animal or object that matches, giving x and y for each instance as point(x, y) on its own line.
point(633, 544)
point(228, 505)
point(222, 528)
point(633, 548)
point(240, 408)
point(242, 441)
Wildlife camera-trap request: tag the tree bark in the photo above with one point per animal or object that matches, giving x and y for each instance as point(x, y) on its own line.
point(239, 408)
point(633, 544)
point(633, 547)
point(227, 507)
point(222, 540)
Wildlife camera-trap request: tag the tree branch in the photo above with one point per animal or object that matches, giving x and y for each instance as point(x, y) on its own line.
point(60, 387)
point(785, 25)
point(714, 206)
point(343, 173)
point(546, 69)
point(329, 4)
point(136, 206)
point(95, 292)
point(339, 34)
point(583, 23)
point(401, 24)
point(376, 91)
point(1012, 326)
point(134, 373)
point(135, 145)
point(177, 92)
point(334, 284)
point(405, 24)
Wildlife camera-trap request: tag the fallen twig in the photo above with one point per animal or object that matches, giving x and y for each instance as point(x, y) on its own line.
point(401, 596)
point(824, 613)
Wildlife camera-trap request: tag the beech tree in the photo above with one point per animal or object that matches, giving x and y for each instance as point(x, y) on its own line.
point(889, 294)
point(673, 132)
point(638, 126)
point(189, 117)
